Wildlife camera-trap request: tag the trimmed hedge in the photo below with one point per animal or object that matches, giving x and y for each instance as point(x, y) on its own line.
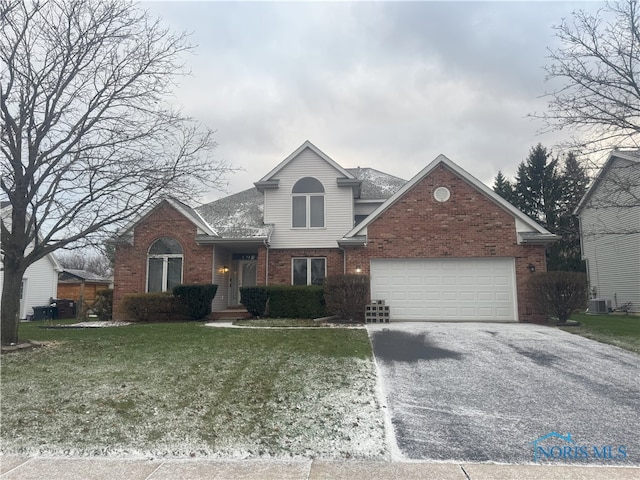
point(103, 305)
point(153, 307)
point(346, 296)
point(284, 301)
point(254, 300)
point(196, 299)
point(559, 293)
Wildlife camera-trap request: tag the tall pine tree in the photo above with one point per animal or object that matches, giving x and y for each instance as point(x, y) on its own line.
point(575, 182)
point(549, 194)
point(502, 186)
point(537, 190)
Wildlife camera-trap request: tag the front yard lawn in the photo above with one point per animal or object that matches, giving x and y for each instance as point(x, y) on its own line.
point(620, 330)
point(183, 389)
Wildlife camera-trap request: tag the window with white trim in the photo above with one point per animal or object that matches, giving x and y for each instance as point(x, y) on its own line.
point(307, 204)
point(308, 271)
point(164, 265)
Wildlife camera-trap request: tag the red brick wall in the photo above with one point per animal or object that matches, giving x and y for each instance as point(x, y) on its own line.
point(467, 225)
point(280, 263)
point(130, 273)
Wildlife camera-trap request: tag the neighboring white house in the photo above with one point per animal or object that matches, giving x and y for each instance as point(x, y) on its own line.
point(40, 281)
point(610, 232)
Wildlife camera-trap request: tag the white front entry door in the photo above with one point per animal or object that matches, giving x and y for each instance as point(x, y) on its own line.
point(452, 289)
point(246, 274)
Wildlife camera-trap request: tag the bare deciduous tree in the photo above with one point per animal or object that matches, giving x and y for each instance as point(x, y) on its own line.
point(87, 135)
point(597, 70)
point(94, 262)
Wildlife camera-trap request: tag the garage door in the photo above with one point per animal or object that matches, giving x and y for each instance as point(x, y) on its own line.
point(453, 289)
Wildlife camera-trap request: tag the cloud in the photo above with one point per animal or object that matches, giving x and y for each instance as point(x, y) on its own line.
point(388, 85)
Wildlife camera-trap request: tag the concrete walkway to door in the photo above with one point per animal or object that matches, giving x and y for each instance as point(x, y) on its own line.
point(489, 392)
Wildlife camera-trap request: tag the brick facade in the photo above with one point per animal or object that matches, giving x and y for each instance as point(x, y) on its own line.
point(130, 274)
point(280, 263)
point(467, 225)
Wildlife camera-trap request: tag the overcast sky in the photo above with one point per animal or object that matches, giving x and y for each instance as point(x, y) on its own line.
point(387, 85)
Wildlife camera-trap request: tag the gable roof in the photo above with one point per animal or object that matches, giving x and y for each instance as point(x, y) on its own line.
point(632, 156)
point(269, 179)
point(184, 209)
point(374, 184)
point(237, 216)
point(537, 233)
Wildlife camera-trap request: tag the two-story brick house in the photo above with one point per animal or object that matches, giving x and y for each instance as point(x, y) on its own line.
point(441, 246)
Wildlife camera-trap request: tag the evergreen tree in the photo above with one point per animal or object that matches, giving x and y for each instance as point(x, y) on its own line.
point(575, 181)
point(537, 190)
point(549, 195)
point(502, 186)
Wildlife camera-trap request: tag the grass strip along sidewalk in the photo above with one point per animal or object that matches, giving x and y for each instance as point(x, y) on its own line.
point(182, 389)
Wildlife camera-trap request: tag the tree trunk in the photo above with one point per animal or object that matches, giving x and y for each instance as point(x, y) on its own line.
point(10, 303)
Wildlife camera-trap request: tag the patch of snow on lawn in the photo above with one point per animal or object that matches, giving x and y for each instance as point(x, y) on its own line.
point(329, 410)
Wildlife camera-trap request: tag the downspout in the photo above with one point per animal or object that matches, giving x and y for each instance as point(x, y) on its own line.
point(267, 242)
point(266, 266)
point(344, 260)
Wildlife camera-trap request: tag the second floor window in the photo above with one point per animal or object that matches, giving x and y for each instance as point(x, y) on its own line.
point(307, 204)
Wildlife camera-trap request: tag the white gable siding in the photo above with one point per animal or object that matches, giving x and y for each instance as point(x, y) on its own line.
point(338, 205)
point(41, 284)
point(366, 208)
point(611, 238)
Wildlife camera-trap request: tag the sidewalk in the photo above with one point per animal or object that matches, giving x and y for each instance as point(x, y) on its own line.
point(57, 468)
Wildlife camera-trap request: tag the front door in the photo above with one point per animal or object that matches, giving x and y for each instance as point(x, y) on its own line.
point(246, 274)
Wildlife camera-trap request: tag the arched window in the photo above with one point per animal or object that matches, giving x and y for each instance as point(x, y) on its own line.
point(164, 265)
point(307, 204)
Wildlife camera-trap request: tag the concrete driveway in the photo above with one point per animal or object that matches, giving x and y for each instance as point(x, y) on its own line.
point(479, 392)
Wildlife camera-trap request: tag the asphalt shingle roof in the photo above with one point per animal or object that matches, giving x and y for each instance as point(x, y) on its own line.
point(241, 215)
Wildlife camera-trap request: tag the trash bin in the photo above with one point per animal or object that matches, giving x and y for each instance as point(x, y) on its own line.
point(43, 312)
point(65, 308)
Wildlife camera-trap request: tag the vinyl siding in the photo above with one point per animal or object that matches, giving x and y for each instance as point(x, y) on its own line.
point(338, 205)
point(41, 284)
point(611, 237)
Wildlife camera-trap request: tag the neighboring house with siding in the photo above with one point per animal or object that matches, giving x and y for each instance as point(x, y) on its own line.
point(40, 281)
point(609, 216)
point(442, 246)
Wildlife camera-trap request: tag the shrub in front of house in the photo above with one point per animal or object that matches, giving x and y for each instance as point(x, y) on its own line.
point(103, 305)
point(346, 296)
point(196, 299)
point(153, 307)
point(559, 294)
point(254, 299)
point(284, 301)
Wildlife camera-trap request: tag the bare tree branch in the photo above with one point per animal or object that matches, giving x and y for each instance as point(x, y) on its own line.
point(87, 135)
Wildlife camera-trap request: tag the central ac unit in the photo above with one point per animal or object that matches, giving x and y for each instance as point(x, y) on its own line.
point(598, 306)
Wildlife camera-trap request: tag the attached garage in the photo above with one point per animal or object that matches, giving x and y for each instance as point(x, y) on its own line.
point(451, 289)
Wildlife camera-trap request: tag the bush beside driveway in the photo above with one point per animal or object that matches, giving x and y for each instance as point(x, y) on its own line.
point(478, 392)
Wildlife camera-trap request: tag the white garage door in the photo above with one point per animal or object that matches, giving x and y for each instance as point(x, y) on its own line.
point(446, 289)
